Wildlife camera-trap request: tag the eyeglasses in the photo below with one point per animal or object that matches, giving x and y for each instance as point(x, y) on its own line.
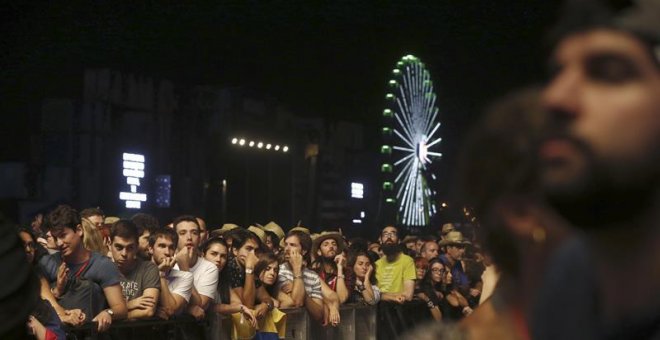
point(389, 234)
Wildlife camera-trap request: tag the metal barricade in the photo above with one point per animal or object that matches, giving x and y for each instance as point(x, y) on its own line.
point(357, 322)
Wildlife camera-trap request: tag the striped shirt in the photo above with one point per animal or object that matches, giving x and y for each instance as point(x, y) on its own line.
point(311, 280)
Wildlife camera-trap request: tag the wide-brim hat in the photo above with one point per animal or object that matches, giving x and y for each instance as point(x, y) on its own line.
point(447, 227)
point(259, 232)
point(225, 228)
point(275, 229)
point(296, 228)
point(454, 238)
point(325, 236)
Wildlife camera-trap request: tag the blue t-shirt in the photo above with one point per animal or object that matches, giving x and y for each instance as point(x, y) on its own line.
point(100, 269)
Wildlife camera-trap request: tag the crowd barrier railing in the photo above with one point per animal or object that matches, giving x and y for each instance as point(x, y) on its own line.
point(357, 322)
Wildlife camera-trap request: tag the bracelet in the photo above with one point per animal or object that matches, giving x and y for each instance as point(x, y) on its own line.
point(430, 304)
point(297, 276)
point(341, 276)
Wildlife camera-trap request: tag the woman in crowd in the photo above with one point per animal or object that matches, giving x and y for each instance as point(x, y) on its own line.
point(227, 301)
point(421, 267)
point(92, 237)
point(267, 270)
point(365, 289)
point(442, 298)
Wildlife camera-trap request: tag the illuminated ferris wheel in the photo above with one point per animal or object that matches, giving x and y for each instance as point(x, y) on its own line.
point(409, 133)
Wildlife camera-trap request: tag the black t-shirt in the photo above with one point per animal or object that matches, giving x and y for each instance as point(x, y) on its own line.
point(237, 274)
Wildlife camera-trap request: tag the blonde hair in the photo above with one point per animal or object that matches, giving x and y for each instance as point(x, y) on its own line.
point(92, 238)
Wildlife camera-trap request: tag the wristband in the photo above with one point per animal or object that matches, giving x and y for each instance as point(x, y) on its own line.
point(430, 304)
point(341, 276)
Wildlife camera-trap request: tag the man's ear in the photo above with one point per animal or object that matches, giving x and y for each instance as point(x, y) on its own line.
point(79, 230)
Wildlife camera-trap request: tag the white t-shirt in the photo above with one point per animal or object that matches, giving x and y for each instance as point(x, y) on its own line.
point(180, 283)
point(205, 277)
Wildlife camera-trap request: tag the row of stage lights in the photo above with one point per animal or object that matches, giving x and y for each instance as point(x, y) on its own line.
point(259, 145)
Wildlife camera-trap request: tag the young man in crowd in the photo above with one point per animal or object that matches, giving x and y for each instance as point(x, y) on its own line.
point(330, 264)
point(175, 285)
point(74, 262)
point(205, 273)
point(601, 171)
point(146, 224)
point(297, 285)
point(396, 271)
point(139, 279)
point(240, 268)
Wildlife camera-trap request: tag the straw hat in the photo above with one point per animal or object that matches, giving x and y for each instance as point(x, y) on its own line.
point(325, 236)
point(297, 228)
point(225, 228)
point(275, 229)
point(454, 238)
point(259, 232)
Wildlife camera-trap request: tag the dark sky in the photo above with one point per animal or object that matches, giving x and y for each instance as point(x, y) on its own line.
point(319, 58)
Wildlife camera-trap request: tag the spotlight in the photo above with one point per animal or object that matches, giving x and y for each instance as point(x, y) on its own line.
point(277, 147)
point(251, 143)
point(268, 146)
point(234, 141)
point(260, 145)
point(285, 149)
point(241, 142)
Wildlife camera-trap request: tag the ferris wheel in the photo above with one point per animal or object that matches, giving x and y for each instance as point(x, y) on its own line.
point(409, 133)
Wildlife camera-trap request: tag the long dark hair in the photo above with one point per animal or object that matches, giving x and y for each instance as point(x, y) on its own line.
point(429, 287)
point(264, 260)
point(352, 258)
point(224, 283)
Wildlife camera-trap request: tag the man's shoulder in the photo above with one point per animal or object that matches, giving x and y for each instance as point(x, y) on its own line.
point(403, 258)
point(284, 268)
point(146, 266)
point(310, 275)
point(205, 266)
point(180, 274)
point(97, 259)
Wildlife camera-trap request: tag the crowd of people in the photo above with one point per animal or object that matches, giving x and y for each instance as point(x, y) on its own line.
point(564, 180)
point(103, 269)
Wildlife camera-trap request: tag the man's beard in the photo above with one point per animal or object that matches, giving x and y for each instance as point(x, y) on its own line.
point(605, 194)
point(390, 250)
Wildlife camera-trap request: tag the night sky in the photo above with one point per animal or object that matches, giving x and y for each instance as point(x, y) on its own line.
point(330, 59)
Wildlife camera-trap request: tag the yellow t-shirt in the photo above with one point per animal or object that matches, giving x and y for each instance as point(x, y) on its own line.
point(391, 275)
